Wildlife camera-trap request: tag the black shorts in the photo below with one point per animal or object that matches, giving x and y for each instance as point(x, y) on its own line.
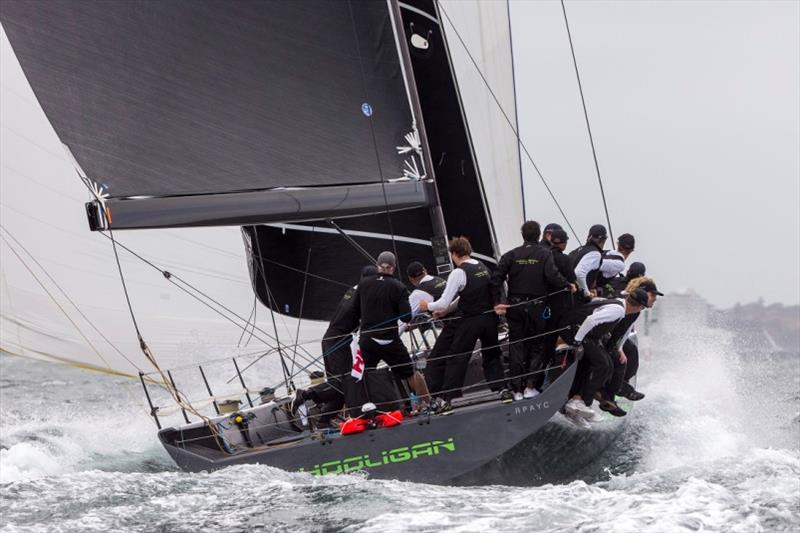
point(394, 354)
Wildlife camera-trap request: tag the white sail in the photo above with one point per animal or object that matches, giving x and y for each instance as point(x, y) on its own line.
point(486, 33)
point(46, 247)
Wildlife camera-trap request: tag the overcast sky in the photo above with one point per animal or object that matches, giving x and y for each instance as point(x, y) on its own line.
point(695, 110)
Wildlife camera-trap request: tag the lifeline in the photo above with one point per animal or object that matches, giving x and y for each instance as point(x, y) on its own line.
point(396, 455)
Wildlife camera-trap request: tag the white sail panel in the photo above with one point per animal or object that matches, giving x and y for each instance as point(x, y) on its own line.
point(44, 223)
point(485, 30)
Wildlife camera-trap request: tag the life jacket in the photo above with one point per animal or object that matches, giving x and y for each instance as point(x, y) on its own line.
point(603, 281)
point(577, 254)
point(434, 287)
point(526, 276)
point(579, 314)
point(619, 330)
point(382, 420)
point(475, 297)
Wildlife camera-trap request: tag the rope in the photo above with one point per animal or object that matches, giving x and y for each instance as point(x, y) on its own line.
point(63, 292)
point(302, 305)
point(508, 120)
point(171, 277)
point(374, 139)
point(586, 117)
point(271, 300)
point(431, 321)
point(389, 402)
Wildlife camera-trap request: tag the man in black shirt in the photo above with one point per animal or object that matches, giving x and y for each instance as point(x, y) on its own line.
point(380, 301)
point(529, 270)
point(337, 356)
point(561, 303)
point(547, 234)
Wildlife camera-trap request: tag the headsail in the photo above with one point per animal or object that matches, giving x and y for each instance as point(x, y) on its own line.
point(204, 114)
point(479, 41)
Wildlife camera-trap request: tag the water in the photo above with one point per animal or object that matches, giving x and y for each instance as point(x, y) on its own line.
point(715, 446)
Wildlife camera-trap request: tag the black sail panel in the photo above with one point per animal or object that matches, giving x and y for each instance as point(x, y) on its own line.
point(179, 97)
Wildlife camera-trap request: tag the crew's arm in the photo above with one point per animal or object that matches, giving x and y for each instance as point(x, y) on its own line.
point(500, 275)
point(455, 282)
point(587, 263)
point(403, 307)
point(601, 315)
point(612, 265)
point(554, 278)
point(416, 297)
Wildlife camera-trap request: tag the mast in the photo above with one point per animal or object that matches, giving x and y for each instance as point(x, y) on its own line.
point(439, 238)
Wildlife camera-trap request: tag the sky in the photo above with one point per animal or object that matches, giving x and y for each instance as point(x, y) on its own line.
point(695, 111)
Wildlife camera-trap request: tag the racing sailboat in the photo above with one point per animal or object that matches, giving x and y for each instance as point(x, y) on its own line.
point(259, 150)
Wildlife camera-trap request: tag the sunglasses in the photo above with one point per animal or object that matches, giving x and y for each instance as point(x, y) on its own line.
point(557, 243)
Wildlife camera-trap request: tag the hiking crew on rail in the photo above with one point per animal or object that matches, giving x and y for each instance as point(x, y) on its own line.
point(549, 300)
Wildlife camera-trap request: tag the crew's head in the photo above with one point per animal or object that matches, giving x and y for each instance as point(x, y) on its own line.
point(460, 249)
point(531, 231)
point(636, 270)
point(649, 286)
point(626, 244)
point(386, 262)
point(415, 272)
point(597, 235)
point(369, 270)
point(547, 232)
point(636, 301)
point(558, 239)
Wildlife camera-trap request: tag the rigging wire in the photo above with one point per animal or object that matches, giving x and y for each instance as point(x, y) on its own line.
point(302, 305)
point(586, 117)
point(508, 120)
point(63, 292)
point(374, 139)
point(270, 301)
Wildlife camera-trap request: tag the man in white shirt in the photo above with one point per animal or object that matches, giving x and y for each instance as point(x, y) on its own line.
point(600, 318)
point(470, 282)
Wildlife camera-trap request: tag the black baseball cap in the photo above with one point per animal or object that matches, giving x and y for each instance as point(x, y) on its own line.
point(369, 270)
point(552, 227)
point(636, 270)
point(639, 296)
point(558, 236)
point(415, 269)
point(650, 286)
point(598, 230)
point(626, 241)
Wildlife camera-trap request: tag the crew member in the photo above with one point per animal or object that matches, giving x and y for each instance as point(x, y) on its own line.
point(379, 302)
point(547, 233)
point(560, 303)
point(528, 270)
point(630, 348)
point(600, 318)
point(427, 289)
point(337, 356)
point(587, 260)
point(613, 264)
point(619, 283)
point(470, 282)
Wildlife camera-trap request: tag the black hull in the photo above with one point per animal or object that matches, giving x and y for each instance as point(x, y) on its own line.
point(437, 449)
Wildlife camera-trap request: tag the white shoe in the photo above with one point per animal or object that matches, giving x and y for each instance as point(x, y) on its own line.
point(530, 392)
point(517, 396)
point(596, 417)
point(577, 407)
point(578, 421)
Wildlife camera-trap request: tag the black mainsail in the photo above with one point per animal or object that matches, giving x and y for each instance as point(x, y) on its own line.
point(224, 113)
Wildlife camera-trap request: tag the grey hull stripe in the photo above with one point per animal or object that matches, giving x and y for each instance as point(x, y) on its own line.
point(418, 11)
point(369, 235)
